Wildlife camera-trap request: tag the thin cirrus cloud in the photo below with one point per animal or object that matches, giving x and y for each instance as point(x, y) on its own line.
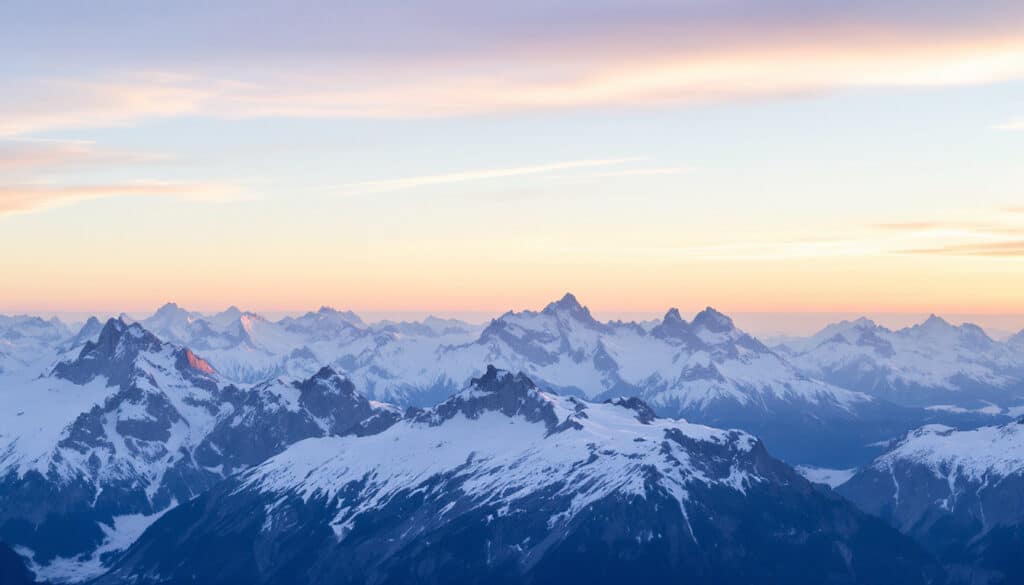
point(1005, 249)
point(571, 73)
point(28, 155)
point(383, 186)
point(997, 236)
point(1014, 124)
point(983, 228)
point(41, 174)
point(982, 237)
point(23, 198)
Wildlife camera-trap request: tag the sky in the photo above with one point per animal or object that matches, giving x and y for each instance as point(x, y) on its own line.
point(452, 156)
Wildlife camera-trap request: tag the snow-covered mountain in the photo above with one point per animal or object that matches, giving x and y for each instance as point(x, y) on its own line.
point(933, 363)
point(959, 492)
point(325, 323)
point(504, 483)
point(246, 347)
point(243, 346)
point(27, 340)
point(676, 366)
point(706, 370)
point(1016, 341)
point(89, 331)
point(429, 327)
point(127, 426)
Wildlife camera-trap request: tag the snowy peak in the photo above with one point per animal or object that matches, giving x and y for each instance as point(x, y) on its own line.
point(171, 321)
point(91, 327)
point(568, 302)
point(118, 339)
point(934, 321)
point(933, 326)
point(713, 321)
point(327, 380)
point(717, 331)
point(675, 330)
point(844, 332)
point(89, 331)
point(935, 329)
point(496, 391)
point(170, 311)
point(112, 354)
point(516, 395)
point(116, 354)
point(976, 454)
point(226, 318)
point(1017, 340)
point(24, 327)
point(346, 316)
point(325, 323)
point(674, 327)
point(861, 332)
point(930, 363)
point(644, 413)
point(570, 307)
point(340, 408)
point(25, 340)
point(672, 316)
point(430, 327)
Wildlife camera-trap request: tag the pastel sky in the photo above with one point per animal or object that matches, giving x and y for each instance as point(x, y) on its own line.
point(844, 156)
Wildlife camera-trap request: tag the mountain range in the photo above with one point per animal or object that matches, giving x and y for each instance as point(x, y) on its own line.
point(381, 447)
point(706, 370)
point(932, 364)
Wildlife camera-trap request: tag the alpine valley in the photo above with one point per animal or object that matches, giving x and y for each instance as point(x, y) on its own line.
point(540, 447)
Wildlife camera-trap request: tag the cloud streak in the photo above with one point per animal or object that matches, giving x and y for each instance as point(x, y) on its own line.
point(1015, 124)
point(572, 75)
point(1004, 249)
point(28, 155)
point(26, 198)
point(383, 186)
point(40, 174)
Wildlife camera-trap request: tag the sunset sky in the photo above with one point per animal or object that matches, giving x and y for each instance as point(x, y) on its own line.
point(863, 157)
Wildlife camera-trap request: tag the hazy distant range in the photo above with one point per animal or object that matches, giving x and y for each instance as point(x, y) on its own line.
point(769, 326)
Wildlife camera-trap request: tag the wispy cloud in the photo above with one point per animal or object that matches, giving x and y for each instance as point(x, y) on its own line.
point(367, 187)
point(1004, 249)
point(579, 74)
point(980, 236)
point(25, 198)
point(661, 171)
point(983, 228)
point(986, 235)
point(26, 155)
point(1015, 124)
point(31, 105)
point(40, 174)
